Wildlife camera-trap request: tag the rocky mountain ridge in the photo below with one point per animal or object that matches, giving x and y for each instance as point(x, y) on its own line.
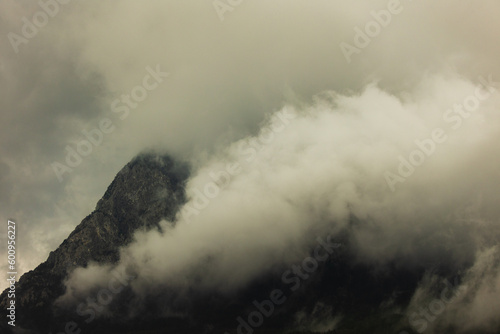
point(148, 189)
point(359, 297)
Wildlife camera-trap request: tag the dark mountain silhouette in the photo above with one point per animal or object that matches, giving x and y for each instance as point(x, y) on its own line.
point(151, 188)
point(146, 190)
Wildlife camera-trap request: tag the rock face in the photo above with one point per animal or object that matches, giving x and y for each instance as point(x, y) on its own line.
point(148, 189)
point(151, 188)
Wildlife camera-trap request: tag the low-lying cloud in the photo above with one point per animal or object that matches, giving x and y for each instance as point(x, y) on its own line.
point(308, 177)
point(324, 166)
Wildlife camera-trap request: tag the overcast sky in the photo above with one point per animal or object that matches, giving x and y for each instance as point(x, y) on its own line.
point(359, 103)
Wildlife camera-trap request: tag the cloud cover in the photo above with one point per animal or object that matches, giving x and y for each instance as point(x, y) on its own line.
point(309, 176)
point(227, 78)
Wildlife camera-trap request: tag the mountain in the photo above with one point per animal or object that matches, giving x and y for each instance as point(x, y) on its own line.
point(148, 189)
point(339, 291)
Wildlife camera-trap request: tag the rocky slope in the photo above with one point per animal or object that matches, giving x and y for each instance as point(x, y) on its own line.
point(150, 188)
point(146, 190)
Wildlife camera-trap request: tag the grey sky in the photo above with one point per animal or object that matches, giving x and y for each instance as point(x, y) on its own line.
point(225, 78)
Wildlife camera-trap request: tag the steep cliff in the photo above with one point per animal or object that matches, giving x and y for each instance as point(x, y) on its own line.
point(148, 189)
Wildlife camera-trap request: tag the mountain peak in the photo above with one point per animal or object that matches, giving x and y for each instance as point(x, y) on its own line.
point(148, 189)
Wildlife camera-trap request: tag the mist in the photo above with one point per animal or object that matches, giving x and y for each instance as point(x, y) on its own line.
point(312, 137)
point(262, 201)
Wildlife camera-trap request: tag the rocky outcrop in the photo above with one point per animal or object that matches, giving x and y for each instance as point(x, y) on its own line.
point(148, 189)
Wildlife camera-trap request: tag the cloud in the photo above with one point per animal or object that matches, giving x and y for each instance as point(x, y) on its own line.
point(478, 307)
point(311, 177)
point(227, 78)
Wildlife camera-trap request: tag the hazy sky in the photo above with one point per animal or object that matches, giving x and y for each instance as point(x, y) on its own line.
point(230, 68)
